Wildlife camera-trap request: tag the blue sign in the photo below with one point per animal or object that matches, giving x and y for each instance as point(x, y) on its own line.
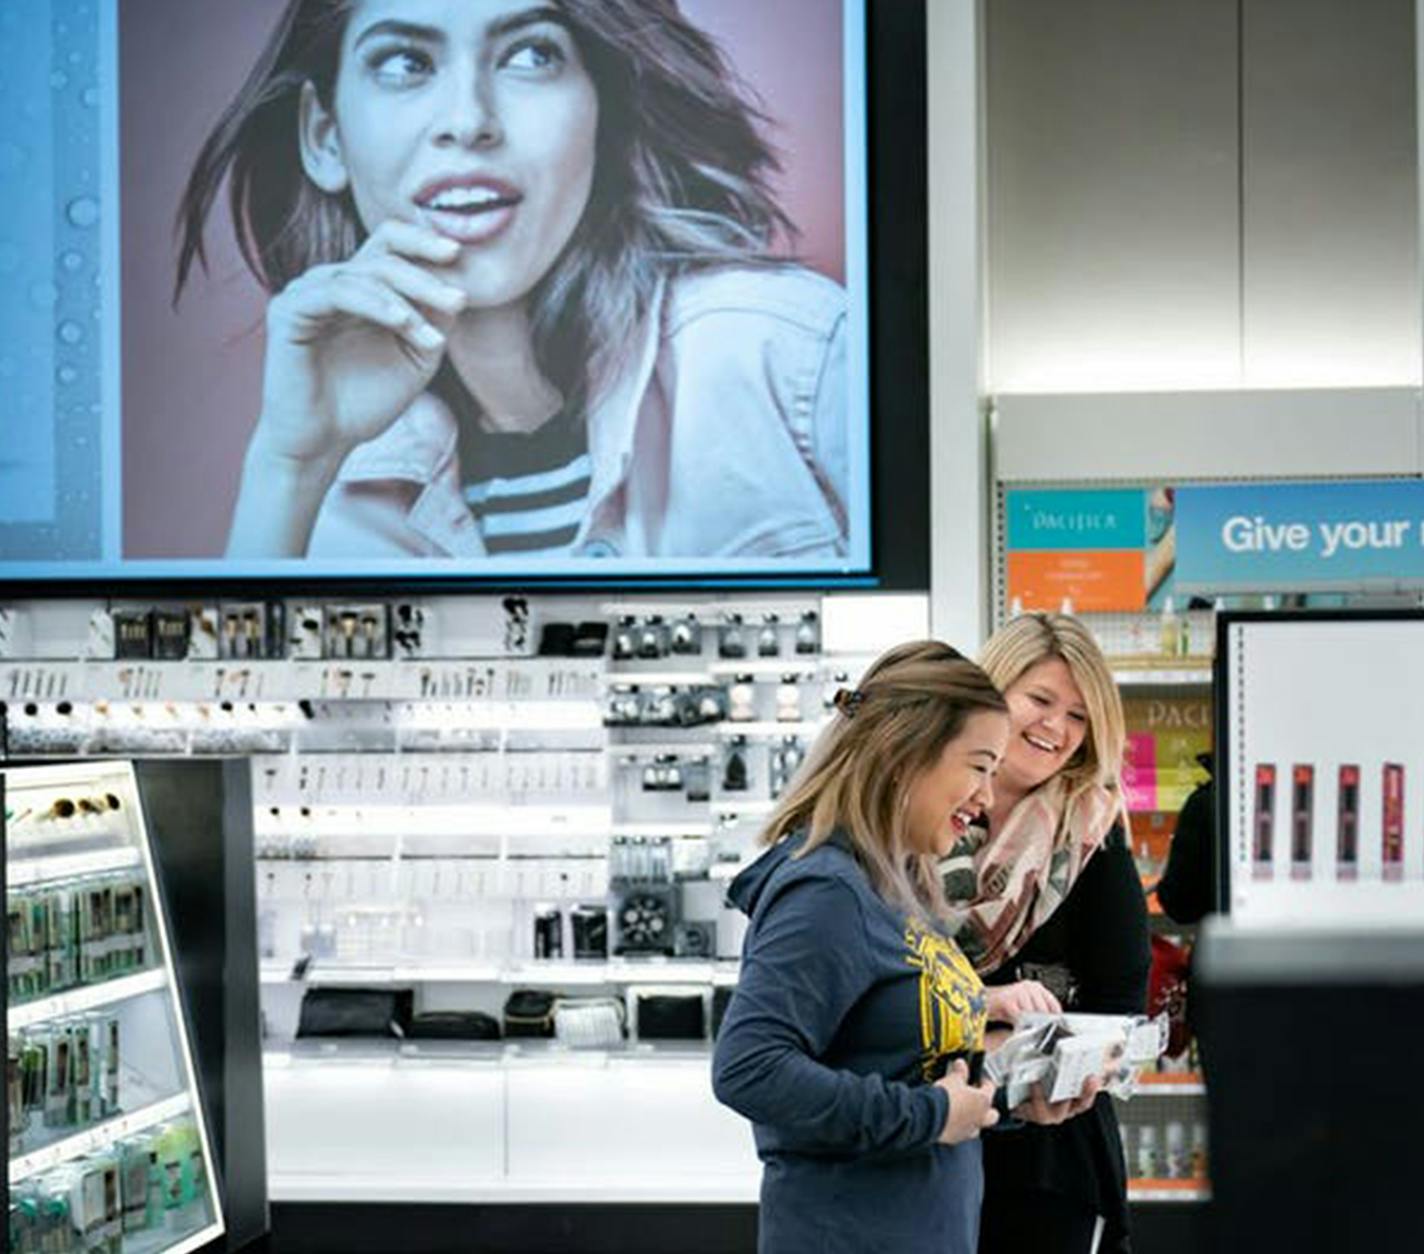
point(1300, 537)
point(1069, 519)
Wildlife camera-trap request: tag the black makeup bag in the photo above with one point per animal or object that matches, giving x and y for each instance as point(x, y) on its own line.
point(529, 1012)
point(454, 1025)
point(671, 1016)
point(356, 1012)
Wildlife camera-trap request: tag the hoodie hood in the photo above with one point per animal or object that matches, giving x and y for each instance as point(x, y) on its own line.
point(750, 886)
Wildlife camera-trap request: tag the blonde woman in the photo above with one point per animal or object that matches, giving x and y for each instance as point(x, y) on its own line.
point(1053, 897)
point(848, 1040)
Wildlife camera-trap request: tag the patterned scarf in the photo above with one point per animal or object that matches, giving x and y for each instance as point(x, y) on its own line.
point(1003, 886)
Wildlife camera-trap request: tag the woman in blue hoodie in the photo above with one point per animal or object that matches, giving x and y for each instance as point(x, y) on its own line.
point(849, 1038)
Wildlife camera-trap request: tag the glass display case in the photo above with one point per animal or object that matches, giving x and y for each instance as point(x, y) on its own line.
point(109, 1147)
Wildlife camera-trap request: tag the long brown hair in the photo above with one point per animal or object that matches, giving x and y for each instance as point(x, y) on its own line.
point(682, 175)
point(909, 705)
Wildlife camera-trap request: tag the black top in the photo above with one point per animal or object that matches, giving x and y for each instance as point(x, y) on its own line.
point(527, 490)
point(1186, 890)
point(1095, 954)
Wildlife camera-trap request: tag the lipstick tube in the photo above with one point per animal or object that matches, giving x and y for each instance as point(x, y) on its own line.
point(1347, 824)
point(1263, 828)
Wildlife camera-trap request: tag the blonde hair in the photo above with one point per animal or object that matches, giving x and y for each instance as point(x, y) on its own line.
point(910, 704)
point(1033, 638)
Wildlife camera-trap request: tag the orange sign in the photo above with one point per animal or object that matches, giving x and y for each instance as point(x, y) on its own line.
point(1094, 581)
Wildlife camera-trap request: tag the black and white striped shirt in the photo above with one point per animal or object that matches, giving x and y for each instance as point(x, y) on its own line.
point(534, 495)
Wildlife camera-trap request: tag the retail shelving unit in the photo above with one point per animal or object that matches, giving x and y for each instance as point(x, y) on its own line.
point(1162, 660)
point(433, 815)
point(108, 1140)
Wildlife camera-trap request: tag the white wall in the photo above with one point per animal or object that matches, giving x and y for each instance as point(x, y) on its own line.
point(958, 444)
point(1167, 197)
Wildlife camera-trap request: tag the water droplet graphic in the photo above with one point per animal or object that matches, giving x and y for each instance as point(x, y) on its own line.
point(70, 332)
point(59, 80)
point(89, 97)
point(83, 211)
point(43, 295)
point(71, 260)
point(66, 375)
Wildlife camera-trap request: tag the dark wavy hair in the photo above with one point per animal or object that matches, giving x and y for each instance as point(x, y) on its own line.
point(682, 174)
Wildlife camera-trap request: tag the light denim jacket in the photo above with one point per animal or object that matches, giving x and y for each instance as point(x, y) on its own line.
point(724, 435)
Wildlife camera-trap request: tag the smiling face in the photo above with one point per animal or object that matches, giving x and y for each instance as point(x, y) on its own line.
point(475, 118)
point(1048, 723)
point(946, 798)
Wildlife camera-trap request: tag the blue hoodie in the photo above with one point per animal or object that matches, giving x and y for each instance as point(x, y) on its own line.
point(845, 1011)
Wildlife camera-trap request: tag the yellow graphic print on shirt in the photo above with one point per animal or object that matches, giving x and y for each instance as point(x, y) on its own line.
point(952, 1008)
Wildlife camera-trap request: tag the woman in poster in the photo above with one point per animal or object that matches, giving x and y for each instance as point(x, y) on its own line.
point(524, 294)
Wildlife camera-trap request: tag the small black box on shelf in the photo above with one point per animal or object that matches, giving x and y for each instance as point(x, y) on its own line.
point(133, 633)
point(170, 634)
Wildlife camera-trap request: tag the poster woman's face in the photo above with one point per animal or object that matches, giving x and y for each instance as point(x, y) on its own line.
point(475, 118)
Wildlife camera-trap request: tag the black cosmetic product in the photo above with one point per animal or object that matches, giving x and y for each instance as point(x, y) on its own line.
point(1302, 819)
point(548, 933)
point(590, 928)
point(1347, 827)
point(1263, 828)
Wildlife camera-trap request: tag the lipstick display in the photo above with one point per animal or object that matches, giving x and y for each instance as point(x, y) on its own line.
point(1392, 843)
point(1265, 819)
point(1302, 819)
point(1347, 824)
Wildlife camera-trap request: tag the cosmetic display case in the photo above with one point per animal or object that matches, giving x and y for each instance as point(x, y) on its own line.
point(108, 1134)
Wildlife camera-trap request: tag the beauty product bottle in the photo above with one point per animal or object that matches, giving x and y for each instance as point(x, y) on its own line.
point(1169, 631)
point(1149, 1157)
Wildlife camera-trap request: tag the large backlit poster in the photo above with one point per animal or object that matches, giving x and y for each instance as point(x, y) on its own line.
point(421, 287)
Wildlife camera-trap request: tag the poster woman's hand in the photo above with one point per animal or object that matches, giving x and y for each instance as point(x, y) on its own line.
point(352, 344)
point(349, 347)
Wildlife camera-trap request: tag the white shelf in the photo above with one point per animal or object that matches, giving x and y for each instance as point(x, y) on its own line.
point(390, 819)
point(684, 828)
point(763, 728)
point(98, 1137)
point(1168, 1191)
point(615, 971)
point(22, 872)
point(292, 679)
point(659, 679)
point(800, 664)
point(329, 1188)
point(741, 807)
point(384, 974)
point(535, 971)
point(1162, 676)
point(79, 1000)
point(646, 750)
